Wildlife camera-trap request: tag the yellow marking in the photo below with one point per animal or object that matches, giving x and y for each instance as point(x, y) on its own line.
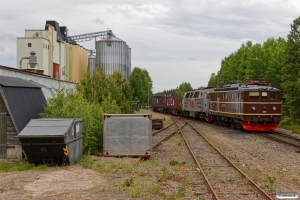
point(66, 152)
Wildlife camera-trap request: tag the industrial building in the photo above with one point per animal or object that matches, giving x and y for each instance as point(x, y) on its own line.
point(56, 54)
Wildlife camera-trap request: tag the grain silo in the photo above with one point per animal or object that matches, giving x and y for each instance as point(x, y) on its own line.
point(113, 54)
point(92, 63)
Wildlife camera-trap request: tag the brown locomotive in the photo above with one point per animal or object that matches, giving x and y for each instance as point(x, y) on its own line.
point(253, 105)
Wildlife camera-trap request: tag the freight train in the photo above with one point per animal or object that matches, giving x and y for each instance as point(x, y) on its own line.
point(253, 105)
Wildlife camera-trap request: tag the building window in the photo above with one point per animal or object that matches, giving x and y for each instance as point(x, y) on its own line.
point(29, 44)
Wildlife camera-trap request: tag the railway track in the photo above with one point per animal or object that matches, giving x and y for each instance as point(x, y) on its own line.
point(164, 134)
point(198, 184)
point(283, 137)
point(276, 136)
point(222, 178)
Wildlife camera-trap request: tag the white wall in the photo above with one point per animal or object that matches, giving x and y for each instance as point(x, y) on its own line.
point(39, 46)
point(49, 83)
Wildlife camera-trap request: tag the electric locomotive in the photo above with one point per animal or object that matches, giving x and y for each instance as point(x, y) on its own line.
point(253, 105)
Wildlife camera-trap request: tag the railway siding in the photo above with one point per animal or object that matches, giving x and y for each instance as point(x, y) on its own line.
point(227, 180)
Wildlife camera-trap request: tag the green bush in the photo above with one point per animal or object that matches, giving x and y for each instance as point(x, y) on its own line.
point(71, 104)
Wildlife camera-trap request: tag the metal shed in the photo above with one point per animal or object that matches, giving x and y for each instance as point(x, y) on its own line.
point(52, 141)
point(127, 135)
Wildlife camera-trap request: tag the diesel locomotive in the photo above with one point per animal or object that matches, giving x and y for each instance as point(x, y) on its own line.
point(253, 105)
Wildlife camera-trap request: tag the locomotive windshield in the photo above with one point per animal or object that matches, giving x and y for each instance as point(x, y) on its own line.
point(196, 94)
point(264, 95)
point(273, 95)
point(253, 95)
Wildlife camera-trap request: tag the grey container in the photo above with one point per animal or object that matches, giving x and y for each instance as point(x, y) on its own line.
point(52, 141)
point(127, 135)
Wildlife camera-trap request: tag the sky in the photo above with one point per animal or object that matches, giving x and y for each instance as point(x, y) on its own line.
point(176, 41)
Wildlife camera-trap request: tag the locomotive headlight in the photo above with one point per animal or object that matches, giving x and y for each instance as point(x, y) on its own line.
point(274, 108)
point(253, 108)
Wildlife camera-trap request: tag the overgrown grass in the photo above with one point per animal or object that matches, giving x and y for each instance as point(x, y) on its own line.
point(294, 128)
point(86, 161)
point(16, 166)
point(290, 124)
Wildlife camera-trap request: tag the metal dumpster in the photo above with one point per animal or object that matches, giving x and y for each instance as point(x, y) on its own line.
point(52, 141)
point(127, 135)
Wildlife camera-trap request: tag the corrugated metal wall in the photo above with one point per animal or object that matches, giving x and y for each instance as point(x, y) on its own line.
point(79, 62)
point(92, 63)
point(113, 55)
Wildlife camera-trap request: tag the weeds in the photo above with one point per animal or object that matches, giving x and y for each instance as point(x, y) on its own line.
point(156, 189)
point(42, 167)
point(236, 157)
point(173, 162)
point(178, 194)
point(181, 191)
point(188, 180)
point(86, 161)
point(165, 173)
point(178, 142)
point(128, 182)
point(213, 150)
point(271, 185)
point(135, 193)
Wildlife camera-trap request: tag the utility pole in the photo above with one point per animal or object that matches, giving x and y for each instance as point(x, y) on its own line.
point(148, 94)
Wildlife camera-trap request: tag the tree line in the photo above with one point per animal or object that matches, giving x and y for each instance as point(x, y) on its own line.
point(98, 94)
point(276, 60)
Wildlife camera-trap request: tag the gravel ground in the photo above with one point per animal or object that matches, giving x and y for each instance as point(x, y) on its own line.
point(273, 165)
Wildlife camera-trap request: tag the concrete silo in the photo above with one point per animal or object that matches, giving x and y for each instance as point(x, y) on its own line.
point(113, 54)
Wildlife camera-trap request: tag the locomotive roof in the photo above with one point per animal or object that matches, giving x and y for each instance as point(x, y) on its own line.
point(240, 87)
point(244, 87)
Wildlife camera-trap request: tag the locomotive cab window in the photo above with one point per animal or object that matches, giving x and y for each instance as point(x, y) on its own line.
point(191, 95)
point(253, 95)
point(273, 95)
point(264, 95)
point(187, 95)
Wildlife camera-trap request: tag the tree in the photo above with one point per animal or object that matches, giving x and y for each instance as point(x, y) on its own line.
point(98, 87)
point(290, 73)
point(140, 84)
point(211, 82)
point(183, 88)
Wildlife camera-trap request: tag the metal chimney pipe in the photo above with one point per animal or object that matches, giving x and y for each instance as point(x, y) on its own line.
point(21, 61)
